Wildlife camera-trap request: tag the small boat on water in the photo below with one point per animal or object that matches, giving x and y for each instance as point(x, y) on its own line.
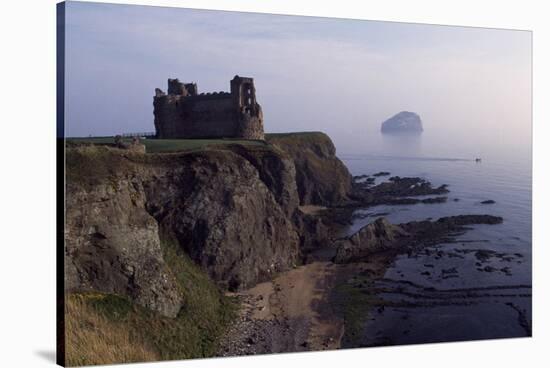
point(478, 159)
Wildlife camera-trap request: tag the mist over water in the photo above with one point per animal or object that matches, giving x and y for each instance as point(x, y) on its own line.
point(440, 145)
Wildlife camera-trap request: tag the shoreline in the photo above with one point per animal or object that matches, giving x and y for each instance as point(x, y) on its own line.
point(293, 312)
point(314, 306)
point(325, 303)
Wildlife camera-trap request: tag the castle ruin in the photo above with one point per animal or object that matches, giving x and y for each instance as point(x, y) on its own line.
point(184, 113)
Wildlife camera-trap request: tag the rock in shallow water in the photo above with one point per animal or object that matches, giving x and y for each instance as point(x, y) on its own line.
point(382, 236)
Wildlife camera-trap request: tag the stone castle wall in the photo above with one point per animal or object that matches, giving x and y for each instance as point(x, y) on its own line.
point(251, 127)
point(182, 113)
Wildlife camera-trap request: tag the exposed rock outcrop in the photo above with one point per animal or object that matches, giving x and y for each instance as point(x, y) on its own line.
point(381, 236)
point(112, 244)
point(277, 171)
point(404, 122)
point(373, 238)
point(225, 217)
point(315, 231)
point(396, 190)
point(322, 179)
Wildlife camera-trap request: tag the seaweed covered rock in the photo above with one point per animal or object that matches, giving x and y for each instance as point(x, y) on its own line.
point(376, 237)
point(396, 190)
point(381, 236)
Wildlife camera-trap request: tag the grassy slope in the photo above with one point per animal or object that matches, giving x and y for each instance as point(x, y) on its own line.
point(95, 336)
point(103, 329)
point(303, 145)
point(295, 137)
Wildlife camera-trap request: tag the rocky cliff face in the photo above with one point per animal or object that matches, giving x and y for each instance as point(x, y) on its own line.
point(322, 179)
point(112, 242)
point(224, 216)
point(276, 170)
point(233, 210)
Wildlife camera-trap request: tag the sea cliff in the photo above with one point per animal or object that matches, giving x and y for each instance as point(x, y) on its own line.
point(229, 211)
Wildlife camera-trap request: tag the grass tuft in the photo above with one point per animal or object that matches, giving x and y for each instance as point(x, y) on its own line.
point(92, 338)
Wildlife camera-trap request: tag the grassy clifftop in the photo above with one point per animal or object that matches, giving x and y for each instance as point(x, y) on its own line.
point(321, 177)
point(179, 145)
point(169, 145)
point(299, 138)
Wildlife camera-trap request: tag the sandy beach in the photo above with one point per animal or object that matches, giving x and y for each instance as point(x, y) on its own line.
point(293, 312)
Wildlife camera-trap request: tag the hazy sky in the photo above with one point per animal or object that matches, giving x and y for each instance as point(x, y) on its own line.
point(470, 86)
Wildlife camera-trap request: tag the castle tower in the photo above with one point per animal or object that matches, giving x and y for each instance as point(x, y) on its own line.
point(175, 87)
point(243, 91)
point(249, 112)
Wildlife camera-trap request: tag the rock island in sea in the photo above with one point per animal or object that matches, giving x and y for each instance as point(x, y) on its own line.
point(405, 122)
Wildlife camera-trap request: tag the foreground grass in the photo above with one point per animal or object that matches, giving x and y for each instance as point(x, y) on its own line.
point(93, 338)
point(107, 329)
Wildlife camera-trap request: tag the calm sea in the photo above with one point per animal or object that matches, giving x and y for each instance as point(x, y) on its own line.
point(456, 291)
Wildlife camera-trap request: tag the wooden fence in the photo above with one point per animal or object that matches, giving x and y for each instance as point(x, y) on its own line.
point(141, 135)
